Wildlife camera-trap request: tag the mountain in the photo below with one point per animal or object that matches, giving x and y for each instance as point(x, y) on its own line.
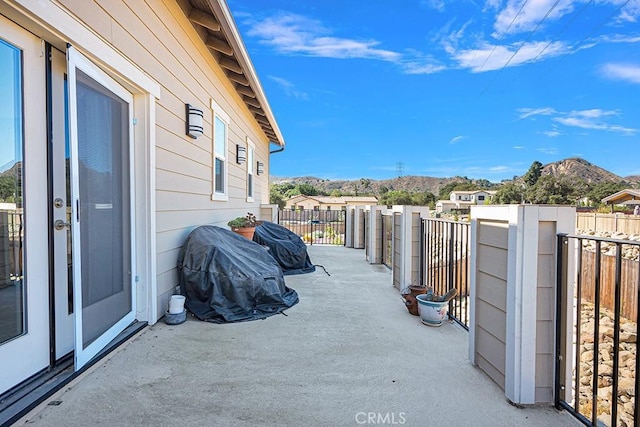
point(576, 168)
point(413, 184)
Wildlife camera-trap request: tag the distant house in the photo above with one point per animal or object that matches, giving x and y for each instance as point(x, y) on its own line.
point(623, 197)
point(464, 200)
point(328, 203)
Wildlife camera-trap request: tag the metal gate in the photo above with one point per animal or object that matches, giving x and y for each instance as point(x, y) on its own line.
point(315, 226)
point(387, 239)
point(445, 249)
point(597, 309)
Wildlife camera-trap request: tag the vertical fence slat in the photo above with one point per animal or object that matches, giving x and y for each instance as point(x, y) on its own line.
point(596, 336)
point(578, 325)
point(561, 285)
point(616, 336)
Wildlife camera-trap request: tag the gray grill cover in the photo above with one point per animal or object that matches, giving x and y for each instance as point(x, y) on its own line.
point(286, 247)
point(227, 278)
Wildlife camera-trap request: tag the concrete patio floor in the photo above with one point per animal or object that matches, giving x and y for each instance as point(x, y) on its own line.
point(347, 354)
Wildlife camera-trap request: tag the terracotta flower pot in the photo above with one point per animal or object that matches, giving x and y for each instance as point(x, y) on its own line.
point(245, 231)
point(410, 299)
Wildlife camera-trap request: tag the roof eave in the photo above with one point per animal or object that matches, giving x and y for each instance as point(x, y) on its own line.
point(221, 35)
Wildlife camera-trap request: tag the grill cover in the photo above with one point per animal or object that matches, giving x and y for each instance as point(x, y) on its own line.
point(227, 278)
point(286, 247)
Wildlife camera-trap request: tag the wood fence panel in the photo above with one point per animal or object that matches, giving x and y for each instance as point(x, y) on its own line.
point(628, 281)
point(628, 224)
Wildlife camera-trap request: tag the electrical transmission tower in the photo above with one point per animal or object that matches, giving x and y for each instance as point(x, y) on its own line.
point(400, 169)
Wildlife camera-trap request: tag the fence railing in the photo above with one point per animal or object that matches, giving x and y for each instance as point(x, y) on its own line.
point(387, 239)
point(599, 384)
point(444, 263)
point(315, 226)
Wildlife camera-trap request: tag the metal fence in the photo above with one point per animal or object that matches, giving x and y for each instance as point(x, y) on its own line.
point(325, 227)
point(445, 249)
point(596, 363)
point(387, 239)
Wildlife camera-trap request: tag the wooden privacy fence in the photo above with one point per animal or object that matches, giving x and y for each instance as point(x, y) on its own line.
point(628, 224)
point(629, 272)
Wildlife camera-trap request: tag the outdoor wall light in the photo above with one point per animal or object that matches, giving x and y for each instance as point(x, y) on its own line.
point(241, 154)
point(194, 121)
point(260, 168)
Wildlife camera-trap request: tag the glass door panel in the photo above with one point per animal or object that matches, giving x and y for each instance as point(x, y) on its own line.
point(13, 319)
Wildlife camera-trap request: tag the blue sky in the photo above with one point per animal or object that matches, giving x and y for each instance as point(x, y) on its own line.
point(443, 88)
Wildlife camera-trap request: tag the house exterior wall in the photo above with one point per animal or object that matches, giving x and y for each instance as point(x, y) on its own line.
point(325, 202)
point(159, 39)
point(306, 204)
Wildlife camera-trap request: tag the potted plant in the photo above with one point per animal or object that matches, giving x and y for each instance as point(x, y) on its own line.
point(244, 225)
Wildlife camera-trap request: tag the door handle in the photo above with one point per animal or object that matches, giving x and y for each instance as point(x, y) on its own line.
point(61, 225)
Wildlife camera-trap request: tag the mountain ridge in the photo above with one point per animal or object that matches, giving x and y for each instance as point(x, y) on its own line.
point(575, 168)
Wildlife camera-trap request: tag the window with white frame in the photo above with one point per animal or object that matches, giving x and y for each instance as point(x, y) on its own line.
point(250, 170)
point(220, 144)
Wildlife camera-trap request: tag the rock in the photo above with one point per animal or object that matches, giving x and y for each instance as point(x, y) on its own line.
point(628, 327)
point(605, 370)
point(628, 337)
point(586, 356)
point(626, 386)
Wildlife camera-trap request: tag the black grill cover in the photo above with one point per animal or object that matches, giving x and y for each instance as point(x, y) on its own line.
point(227, 278)
point(286, 247)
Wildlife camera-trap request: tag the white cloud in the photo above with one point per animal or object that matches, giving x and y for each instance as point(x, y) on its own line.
point(629, 13)
point(529, 112)
point(493, 57)
point(549, 151)
point(499, 168)
point(619, 38)
point(593, 118)
point(289, 88)
point(492, 4)
point(434, 4)
point(629, 73)
point(422, 68)
point(295, 34)
point(518, 147)
point(456, 139)
point(517, 18)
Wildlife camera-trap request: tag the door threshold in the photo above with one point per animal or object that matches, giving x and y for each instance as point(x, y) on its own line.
point(18, 401)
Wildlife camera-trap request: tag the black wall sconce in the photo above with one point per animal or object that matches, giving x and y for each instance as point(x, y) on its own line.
point(241, 154)
point(260, 168)
point(194, 121)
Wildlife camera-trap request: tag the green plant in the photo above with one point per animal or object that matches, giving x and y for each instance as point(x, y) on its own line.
point(243, 221)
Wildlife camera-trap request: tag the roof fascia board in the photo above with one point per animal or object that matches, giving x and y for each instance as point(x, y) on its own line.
point(229, 27)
